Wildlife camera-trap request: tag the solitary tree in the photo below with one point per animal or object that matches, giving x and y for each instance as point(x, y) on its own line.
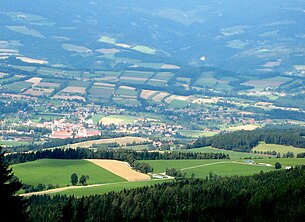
point(74, 179)
point(278, 165)
point(83, 180)
point(13, 207)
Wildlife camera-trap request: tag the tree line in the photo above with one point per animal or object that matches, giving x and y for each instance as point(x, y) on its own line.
point(273, 196)
point(244, 141)
point(114, 154)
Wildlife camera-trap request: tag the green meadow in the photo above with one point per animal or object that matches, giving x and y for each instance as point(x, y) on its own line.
point(58, 172)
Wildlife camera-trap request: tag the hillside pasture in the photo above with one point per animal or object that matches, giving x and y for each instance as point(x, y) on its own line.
point(58, 172)
point(123, 141)
point(263, 147)
point(118, 119)
point(74, 89)
point(202, 168)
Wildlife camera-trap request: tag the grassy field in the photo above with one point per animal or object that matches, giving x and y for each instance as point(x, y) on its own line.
point(284, 161)
point(202, 168)
point(263, 147)
point(54, 172)
point(196, 133)
point(117, 119)
point(109, 188)
point(13, 143)
point(233, 154)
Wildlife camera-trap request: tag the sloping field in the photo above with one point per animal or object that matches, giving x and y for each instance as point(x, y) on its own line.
point(159, 97)
point(121, 140)
point(58, 172)
point(202, 168)
point(122, 169)
point(118, 119)
point(243, 127)
point(263, 147)
point(145, 94)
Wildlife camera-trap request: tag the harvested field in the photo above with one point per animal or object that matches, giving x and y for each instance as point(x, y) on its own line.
point(244, 127)
point(38, 92)
point(108, 51)
point(134, 78)
point(210, 100)
point(121, 140)
point(34, 80)
point(127, 87)
point(121, 169)
point(76, 48)
point(175, 97)
point(2, 74)
point(145, 94)
point(104, 84)
point(32, 61)
point(170, 66)
point(123, 45)
point(118, 119)
point(48, 85)
point(160, 96)
point(74, 89)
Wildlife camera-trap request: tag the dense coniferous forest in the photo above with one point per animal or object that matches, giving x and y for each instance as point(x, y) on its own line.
point(274, 196)
point(244, 141)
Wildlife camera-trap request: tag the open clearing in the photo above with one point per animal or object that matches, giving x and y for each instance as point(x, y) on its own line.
point(145, 94)
point(243, 127)
point(263, 147)
point(121, 140)
point(202, 168)
point(159, 97)
point(74, 89)
point(58, 172)
point(32, 61)
point(34, 80)
point(122, 169)
point(196, 133)
point(118, 119)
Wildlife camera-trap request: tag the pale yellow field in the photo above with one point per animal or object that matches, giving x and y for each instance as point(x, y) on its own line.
point(48, 84)
point(159, 97)
point(121, 169)
point(134, 78)
point(145, 94)
point(33, 61)
point(104, 84)
point(127, 87)
point(121, 140)
point(170, 66)
point(108, 51)
point(175, 97)
point(2, 74)
point(74, 89)
point(206, 100)
point(34, 80)
point(244, 127)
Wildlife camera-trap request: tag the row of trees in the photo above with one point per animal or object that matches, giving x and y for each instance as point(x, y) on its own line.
point(274, 196)
point(82, 180)
point(115, 154)
point(246, 140)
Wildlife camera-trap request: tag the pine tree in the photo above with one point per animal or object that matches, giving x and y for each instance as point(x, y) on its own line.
point(13, 207)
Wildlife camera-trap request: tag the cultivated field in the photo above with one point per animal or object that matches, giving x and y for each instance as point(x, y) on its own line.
point(243, 127)
point(263, 147)
point(122, 169)
point(121, 140)
point(159, 97)
point(58, 172)
point(74, 89)
point(118, 119)
point(202, 168)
